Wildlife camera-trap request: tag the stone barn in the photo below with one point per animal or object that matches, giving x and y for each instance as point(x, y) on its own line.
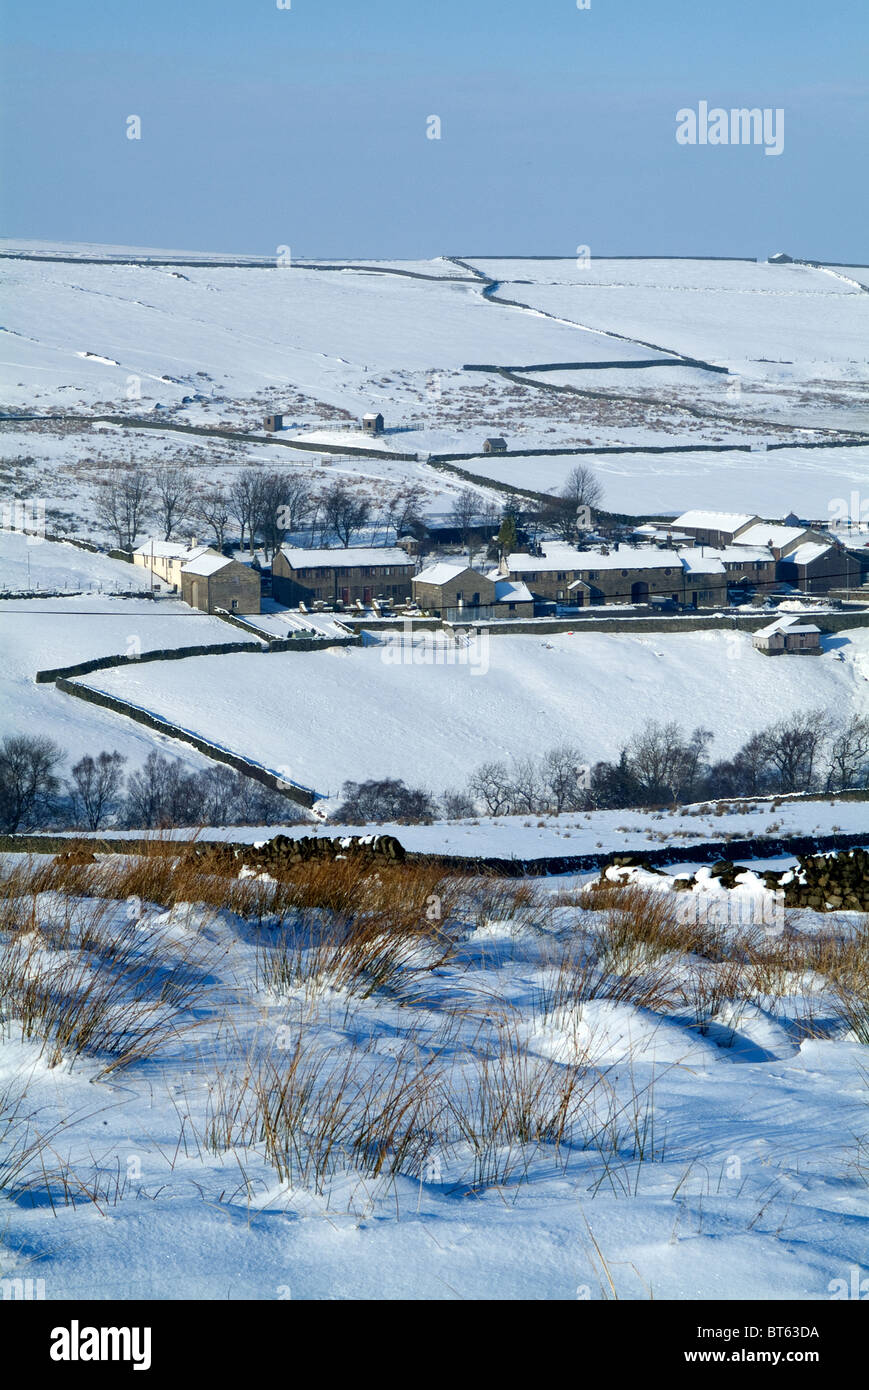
point(212, 581)
point(788, 635)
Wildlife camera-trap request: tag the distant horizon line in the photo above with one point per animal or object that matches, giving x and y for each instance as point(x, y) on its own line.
point(266, 262)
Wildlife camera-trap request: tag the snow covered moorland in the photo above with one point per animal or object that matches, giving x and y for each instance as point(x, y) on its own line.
point(372, 1077)
point(380, 1082)
point(447, 350)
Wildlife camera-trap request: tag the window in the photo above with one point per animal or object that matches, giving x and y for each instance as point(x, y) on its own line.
point(593, 574)
point(668, 571)
point(624, 574)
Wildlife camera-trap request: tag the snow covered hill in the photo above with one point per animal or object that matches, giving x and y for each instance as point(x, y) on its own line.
point(217, 342)
point(431, 714)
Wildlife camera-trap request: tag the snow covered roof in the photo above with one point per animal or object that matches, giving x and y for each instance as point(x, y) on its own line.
point(206, 564)
point(809, 551)
point(741, 554)
point(786, 625)
point(693, 562)
point(713, 521)
point(770, 533)
point(656, 533)
point(441, 573)
point(512, 591)
point(170, 550)
point(565, 557)
point(345, 557)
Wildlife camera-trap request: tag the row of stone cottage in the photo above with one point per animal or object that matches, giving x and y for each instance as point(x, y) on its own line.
point(693, 561)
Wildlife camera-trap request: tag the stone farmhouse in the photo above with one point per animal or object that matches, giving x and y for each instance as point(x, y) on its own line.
point(748, 566)
point(455, 591)
point(804, 558)
point(202, 576)
point(357, 573)
point(788, 635)
point(620, 574)
point(166, 559)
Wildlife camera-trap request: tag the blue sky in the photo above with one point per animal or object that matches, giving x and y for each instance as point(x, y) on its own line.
point(306, 127)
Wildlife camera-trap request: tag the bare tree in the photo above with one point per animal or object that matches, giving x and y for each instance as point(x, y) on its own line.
point(404, 511)
point(210, 505)
point(561, 513)
point(244, 504)
point(28, 780)
point(527, 790)
point(582, 487)
point(664, 761)
point(381, 801)
point(96, 783)
point(794, 745)
point(565, 779)
point(491, 785)
point(457, 805)
point(162, 794)
point(285, 504)
point(122, 502)
point(345, 512)
point(173, 487)
point(464, 513)
point(848, 755)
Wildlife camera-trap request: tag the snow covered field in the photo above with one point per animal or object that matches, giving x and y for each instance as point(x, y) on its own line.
point(42, 634)
point(788, 322)
point(431, 713)
point(325, 345)
point(30, 564)
point(83, 330)
point(573, 833)
point(637, 481)
point(669, 1132)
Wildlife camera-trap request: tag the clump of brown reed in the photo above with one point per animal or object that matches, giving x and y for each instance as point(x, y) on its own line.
point(104, 984)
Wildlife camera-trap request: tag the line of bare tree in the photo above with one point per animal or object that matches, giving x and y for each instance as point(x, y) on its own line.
point(99, 792)
point(262, 507)
point(662, 764)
